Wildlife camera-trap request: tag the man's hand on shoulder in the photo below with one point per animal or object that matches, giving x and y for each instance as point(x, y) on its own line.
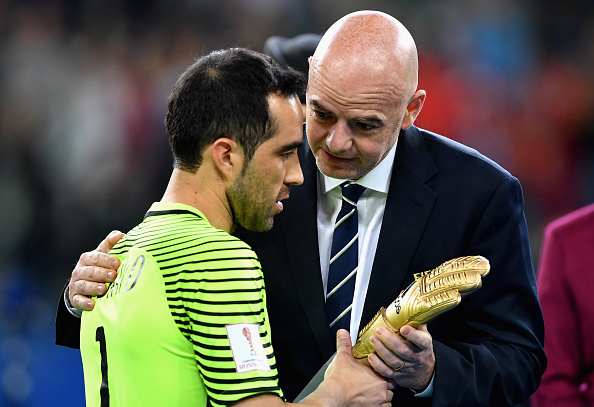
point(93, 270)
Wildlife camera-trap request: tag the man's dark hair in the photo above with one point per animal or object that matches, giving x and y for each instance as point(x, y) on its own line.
point(224, 94)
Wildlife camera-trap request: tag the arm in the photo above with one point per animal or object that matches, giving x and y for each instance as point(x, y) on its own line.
point(347, 383)
point(489, 350)
point(92, 271)
point(560, 383)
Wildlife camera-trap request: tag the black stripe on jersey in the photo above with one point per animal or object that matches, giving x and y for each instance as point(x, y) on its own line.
point(237, 381)
point(224, 369)
point(208, 291)
point(148, 239)
point(225, 249)
point(214, 280)
point(187, 332)
point(205, 302)
point(212, 358)
point(171, 212)
point(210, 324)
point(213, 347)
point(182, 242)
point(217, 369)
point(149, 231)
point(253, 390)
point(225, 314)
point(192, 243)
point(163, 267)
point(183, 327)
point(209, 270)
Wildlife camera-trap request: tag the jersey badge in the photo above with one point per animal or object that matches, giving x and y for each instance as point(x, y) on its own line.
point(246, 346)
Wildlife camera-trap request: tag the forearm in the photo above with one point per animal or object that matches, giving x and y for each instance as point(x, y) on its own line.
point(67, 325)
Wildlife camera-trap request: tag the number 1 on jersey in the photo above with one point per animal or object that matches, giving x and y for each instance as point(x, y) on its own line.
point(104, 391)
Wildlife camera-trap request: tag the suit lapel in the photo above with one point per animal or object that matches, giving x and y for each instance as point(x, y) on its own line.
point(408, 207)
point(301, 232)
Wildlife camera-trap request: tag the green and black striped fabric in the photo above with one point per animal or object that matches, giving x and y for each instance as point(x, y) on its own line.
point(164, 325)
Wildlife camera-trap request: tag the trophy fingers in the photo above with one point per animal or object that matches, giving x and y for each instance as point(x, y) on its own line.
point(462, 273)
point(465, 281)
point(482, 265)
point(477, 264)
point(433, 305)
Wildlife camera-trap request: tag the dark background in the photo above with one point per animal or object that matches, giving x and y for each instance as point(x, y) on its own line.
point(83, 86)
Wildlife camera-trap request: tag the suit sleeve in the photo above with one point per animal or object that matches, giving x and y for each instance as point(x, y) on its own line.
point(67, 325)
point(492, 351)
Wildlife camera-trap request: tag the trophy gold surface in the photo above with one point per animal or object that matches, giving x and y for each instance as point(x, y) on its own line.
point(435, 292)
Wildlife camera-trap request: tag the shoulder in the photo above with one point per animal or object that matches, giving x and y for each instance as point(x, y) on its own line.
point(187, 237)
point(576, 225)
point(442, 146)
point(442, 161)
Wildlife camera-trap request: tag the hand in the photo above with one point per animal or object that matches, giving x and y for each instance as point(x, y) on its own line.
point(355, 384)
point(92, 271)
point(408, 359)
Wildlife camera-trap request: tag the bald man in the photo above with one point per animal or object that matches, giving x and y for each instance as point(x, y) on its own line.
point(427, 199)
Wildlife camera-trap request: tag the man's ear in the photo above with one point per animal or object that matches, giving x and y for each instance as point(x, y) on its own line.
point(228, 157)
point(414, 108)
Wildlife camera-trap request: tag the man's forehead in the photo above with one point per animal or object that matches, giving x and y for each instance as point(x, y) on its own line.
point(346, 87)
point(287, 119)
point(359, 107)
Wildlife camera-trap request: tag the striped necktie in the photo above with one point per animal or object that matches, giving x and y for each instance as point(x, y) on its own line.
point(344, 260)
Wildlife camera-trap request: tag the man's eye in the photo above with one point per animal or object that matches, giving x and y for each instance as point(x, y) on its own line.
point(365, 126)
point(321, 115)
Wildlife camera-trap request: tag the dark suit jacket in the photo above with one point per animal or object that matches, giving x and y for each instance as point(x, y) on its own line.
point(445, 201)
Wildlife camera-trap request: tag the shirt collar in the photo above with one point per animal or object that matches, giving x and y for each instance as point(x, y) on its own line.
point(378, 179)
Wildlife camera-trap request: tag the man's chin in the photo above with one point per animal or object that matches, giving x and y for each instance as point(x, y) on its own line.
point(334, 172)
point(260, 227)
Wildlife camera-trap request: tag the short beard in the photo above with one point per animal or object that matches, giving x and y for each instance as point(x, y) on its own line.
point(242, 208)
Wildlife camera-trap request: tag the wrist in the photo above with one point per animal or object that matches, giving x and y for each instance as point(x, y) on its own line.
point(328, 394)
point(73, 311)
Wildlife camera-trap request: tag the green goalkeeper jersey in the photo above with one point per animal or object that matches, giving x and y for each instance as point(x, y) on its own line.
point(185, 322)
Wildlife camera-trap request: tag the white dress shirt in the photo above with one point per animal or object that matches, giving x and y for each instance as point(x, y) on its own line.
point(370, 208)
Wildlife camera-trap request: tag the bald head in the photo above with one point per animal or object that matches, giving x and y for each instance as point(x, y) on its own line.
point(362, 92)
point(371, 46)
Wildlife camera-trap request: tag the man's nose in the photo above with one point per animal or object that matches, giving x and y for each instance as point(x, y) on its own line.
point(294, 174)
point(339, 138)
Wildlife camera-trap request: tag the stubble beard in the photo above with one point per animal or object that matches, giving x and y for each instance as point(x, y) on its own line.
point(246, 210)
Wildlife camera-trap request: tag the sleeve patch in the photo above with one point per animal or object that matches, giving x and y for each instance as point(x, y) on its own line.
point(246, 346)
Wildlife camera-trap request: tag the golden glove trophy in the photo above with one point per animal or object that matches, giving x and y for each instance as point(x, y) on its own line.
point(436, 291)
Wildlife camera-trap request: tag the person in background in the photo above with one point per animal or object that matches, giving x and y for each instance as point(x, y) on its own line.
point(426, 199)
point(185, 323)
point(565, 281)
point(293, 52)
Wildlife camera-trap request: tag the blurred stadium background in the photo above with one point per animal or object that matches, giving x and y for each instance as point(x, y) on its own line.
point(83, 86)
